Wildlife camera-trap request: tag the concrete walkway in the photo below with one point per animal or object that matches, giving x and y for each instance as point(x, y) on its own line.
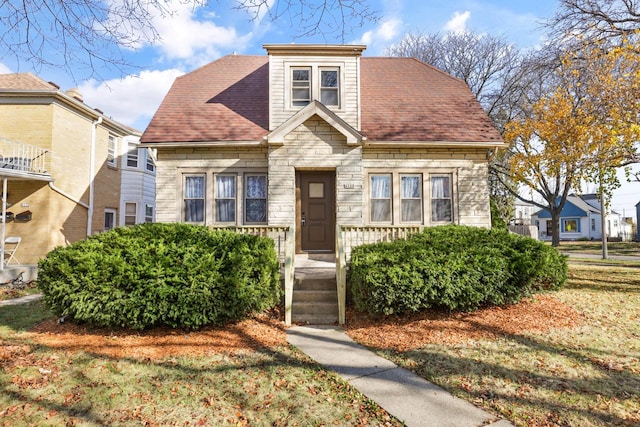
point(21, 300)
point(406, 396)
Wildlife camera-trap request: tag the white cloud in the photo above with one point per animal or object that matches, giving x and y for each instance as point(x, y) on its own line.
point(458, 22)
point(188, 33)
point(185, 37)
point(382, 34)
point(4, 69)
point(132, 100)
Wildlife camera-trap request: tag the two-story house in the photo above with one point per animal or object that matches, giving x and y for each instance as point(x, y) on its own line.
point(311, 136)
point(62, 167)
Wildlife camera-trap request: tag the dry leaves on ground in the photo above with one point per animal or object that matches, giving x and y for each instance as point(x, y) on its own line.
point(400, 333)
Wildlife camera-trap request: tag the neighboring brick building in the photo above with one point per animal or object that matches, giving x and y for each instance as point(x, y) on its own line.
point(312, 136)
point(48, 139)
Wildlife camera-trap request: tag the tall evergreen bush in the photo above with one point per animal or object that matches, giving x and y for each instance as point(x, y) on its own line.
point(178, 275)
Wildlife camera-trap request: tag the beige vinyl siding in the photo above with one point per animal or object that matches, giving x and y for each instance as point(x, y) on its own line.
point(468, 168)
point(280, 103)
point(314, 145)
point(172, 163)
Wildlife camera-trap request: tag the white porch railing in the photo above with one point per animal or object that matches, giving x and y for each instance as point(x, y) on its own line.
point(350, 236)
point(21, 157)
point(284, 242)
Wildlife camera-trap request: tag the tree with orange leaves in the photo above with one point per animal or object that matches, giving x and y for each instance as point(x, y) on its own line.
point(582, 129)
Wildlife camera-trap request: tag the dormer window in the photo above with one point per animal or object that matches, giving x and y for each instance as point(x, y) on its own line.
point(307, 83)
point(329, 87)
point(301, 86)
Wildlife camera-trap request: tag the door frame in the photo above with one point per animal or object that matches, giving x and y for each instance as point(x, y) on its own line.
point(298, 179)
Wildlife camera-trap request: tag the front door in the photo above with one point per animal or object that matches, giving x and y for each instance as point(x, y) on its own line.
point(316, 211)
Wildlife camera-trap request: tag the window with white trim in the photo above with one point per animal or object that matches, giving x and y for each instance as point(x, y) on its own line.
point(150, 163)
point(441, 198)
point(132, 155)
point(109, 219)
point(300, 86)
point(130, 213)
point(330, 86)
point(193, 198)
point(111, 150)
point(255, 199)
point(380, 198)
point(411, 198)
point(225, 198)
point(570, 225)
point(148, 213)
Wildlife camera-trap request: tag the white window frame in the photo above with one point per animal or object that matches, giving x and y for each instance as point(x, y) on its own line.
point(397, 198)
point(132, 155)
point(112, 143)
point(128, 215)
point(389, 199)
point(245, 197)
point(315, 82)
point(451, 199)
point(420, 198)
point(216, 198)
point(336, 89)
point(301, 102)
point(149, 215)
point(114, 214)
point(204, 197)
point(150, 164)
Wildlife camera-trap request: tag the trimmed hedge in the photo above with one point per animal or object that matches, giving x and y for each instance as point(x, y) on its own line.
point(452, 267)
point(178, 275)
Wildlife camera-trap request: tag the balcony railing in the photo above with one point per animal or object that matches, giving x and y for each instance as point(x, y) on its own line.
point(20, 157)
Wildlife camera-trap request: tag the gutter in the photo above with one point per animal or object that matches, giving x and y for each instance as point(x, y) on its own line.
point(68, 196)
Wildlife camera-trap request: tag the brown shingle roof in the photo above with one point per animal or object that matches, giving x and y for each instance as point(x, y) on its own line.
point(24, 81)
point(402, 99)
point(226, 100)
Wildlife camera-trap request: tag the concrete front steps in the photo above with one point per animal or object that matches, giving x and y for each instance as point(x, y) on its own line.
point(315, 296)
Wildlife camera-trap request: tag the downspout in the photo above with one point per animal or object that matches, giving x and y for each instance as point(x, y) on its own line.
point(4, 219)
point(92, 169)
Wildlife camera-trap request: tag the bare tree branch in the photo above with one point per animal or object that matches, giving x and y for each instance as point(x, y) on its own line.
point(85, 37)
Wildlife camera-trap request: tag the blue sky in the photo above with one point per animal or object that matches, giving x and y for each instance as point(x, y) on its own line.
point(196, 36)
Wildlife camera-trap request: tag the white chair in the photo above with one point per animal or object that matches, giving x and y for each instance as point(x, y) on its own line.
point(10, 247)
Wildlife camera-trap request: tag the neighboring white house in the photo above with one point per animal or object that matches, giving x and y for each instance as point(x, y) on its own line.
point(138, 192)
point(580, 219)
point(523, 212)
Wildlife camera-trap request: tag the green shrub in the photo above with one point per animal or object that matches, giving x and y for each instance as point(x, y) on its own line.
point(178, 275)
point(453, 267)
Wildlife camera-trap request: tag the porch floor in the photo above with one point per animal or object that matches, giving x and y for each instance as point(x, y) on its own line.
point(315, 265)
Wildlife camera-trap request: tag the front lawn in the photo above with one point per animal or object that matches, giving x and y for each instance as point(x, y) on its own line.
point(595, 247)
point(582, 374)
point(241, 375)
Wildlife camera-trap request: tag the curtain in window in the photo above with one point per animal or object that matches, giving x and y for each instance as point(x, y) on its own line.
point(380, 198)
point(225, 198)
point(410, 199)
point(256, 198)
point(441, 198)
point(194, 199)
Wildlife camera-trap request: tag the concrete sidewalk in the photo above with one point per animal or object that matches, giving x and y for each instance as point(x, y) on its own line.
point(404, 395)
point(21, 300)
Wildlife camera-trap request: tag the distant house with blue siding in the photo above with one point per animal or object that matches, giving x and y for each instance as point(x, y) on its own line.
point(580, 219)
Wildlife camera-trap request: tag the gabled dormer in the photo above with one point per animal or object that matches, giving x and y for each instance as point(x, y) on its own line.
point(301, 74)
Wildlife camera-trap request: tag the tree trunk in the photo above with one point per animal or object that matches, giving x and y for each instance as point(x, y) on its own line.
point(555, 227)
point(603, 224)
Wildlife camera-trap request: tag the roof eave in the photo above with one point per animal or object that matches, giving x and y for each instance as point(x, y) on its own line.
point(208, 144)
point(433, 144)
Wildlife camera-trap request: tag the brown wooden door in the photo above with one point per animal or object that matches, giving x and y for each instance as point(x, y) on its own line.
point(317, 217)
